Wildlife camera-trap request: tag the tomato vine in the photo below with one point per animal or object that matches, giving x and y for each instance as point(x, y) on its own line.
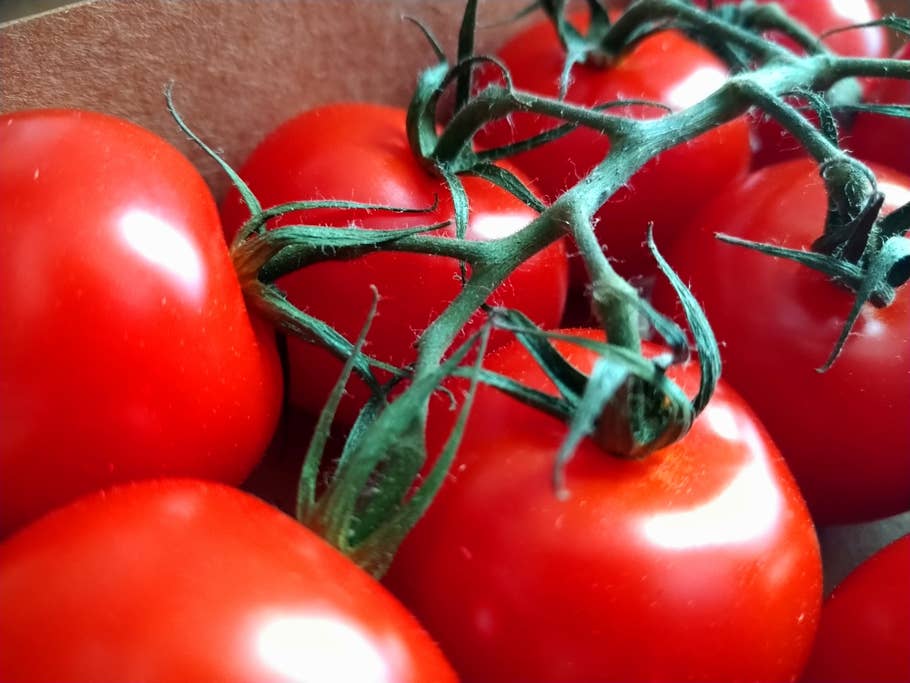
point(630, 408)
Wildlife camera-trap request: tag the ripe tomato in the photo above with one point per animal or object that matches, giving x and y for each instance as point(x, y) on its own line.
point(864, 631)
point(636, 572)
point(127, 350)
point(771, 143)
point(360, 152)
point(180, 580)
point(665, 68)
point(844, 432)
point(884, 139)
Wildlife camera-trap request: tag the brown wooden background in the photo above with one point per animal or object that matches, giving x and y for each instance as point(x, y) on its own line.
point(240, 66)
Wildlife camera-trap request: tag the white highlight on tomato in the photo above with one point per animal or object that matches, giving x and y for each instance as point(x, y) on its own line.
point(495, 226)
point(320, 648)
point(851, 10)
point(696, 87)
point(895, 194)
point(159, 243)
point(745, 510)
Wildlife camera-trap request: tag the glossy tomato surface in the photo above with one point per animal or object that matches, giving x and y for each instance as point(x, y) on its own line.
point(845, 432)
point(864, 632)
point(360, 152)
point(180, 580)
point(698, 563)
point(127, 350)
point(884, 139)
point(665, 68)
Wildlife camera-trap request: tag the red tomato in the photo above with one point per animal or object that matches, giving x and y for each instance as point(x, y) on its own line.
point(360, 152)
point(664, 68)
point(699, 562)
point(845, 432)
point(771, 143)
point(127, 350)
point(179, 580)
point(885, 139)
point(864, 632)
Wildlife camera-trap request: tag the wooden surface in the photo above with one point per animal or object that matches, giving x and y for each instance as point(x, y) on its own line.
point(239, 67)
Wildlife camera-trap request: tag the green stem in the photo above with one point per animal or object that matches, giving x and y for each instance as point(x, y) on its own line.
point(646, 11)
point(773, 18)
point(817, 144)
point(633, 142)
point(496, 102)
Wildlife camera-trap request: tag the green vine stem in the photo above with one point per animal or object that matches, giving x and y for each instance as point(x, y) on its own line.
point(628, 406)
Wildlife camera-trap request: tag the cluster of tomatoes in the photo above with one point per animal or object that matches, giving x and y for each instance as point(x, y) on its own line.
point(140, 389)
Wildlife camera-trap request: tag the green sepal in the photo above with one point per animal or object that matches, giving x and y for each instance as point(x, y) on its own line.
point(555, 406)
point(606, 379)
point(569, 381)
point(257, 221)
point(462, 209)
point(849, 274)
point(434, 43)
point(510, 183)
point(854, 203)
point(891, 265)
point(246, 193)
point(579, 48)
point(895, 224)
point(421, 121)
point(901, 111)
point(376, 552)
point(312, 461)
point(396, 433)
point(280, 252)
point(465, 51)
point(271, 303)
point(705, 342)
point(505, 151)
point(892, 21)
point(642, 413)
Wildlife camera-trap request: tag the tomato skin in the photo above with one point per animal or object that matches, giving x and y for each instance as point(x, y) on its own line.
point(884, 139)
point(181, 580)
point(127, 350)
point(665, 68)
point(360, 152)
point(844, 433)
point(864, 632)
point(631, 576)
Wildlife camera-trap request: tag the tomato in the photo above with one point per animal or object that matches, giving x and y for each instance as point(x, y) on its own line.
point(699, 562)
point(127, 350)
point(771, 143)
point(879, 138)
point(180, 580)
point(864, 632)
point(665, 68)
point(360, 152)
point(844, 432)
